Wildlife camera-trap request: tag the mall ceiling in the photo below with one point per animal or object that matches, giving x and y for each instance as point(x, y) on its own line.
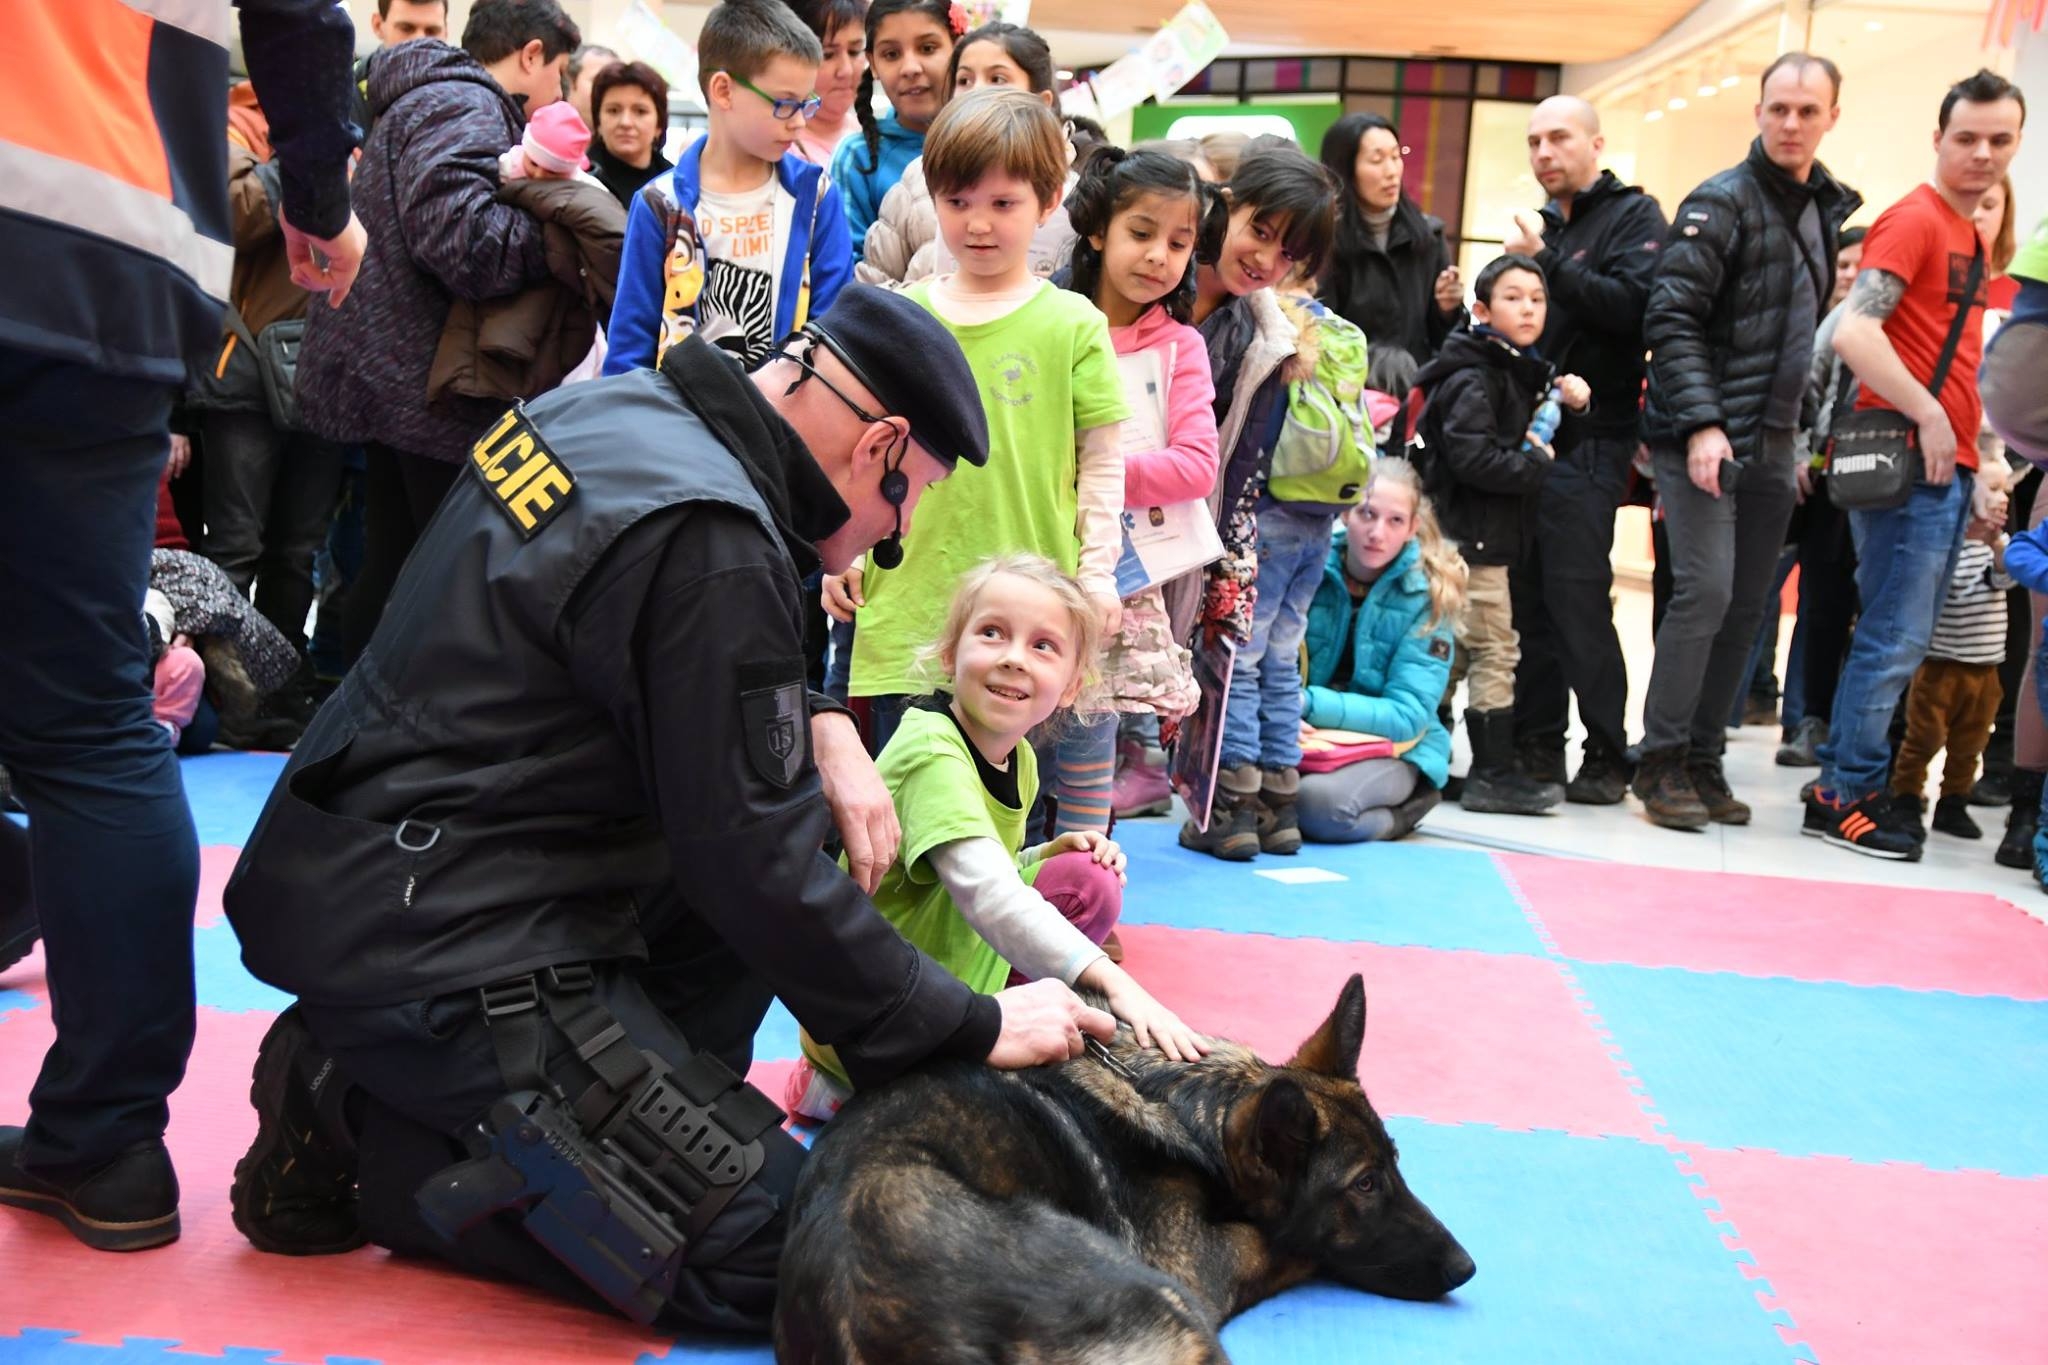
point(1550, 31)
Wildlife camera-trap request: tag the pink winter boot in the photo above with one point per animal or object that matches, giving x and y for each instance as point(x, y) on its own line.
point(1141, 786)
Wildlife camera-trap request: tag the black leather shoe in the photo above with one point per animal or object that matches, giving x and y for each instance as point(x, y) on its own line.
point(295, 1191)
point(127, 1204)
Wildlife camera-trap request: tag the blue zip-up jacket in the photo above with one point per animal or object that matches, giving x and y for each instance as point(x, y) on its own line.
point(1398, 668)
point(865, 189)
point(662, 268)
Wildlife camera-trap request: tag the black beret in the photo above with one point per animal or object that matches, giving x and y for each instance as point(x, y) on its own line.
point(907, 359)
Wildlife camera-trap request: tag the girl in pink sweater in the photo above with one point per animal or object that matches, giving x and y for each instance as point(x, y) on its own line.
point(1140, 220)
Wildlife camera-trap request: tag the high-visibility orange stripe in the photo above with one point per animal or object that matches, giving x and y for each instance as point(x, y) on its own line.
point(220, 370)
point(77, 87)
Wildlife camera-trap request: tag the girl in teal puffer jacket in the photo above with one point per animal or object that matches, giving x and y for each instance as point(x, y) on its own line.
point(1379, 646)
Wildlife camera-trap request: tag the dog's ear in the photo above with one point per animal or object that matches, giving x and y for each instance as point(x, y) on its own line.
point(1332, 1050)
point(1286, 1127)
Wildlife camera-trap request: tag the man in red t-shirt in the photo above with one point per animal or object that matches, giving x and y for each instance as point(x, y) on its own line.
point(1916, 266)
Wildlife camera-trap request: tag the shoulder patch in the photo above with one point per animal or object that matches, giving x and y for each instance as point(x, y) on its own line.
point(1439, 648)
point(524, 479)
point(775, 715)
point(1697, 215)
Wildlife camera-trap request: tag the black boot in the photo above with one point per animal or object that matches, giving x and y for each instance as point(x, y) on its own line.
point(1540, 758)
point(2016, 849)
point(1952, 816)
point(127, 1203)
point(1233, 833)
point(1602, 779)
point(1667, 793)
point(295, 1191)
point(1494, 786)
point(1424, 799)
point(1279, 823)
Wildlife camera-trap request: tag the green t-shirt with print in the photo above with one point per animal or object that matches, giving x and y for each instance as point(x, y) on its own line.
point(2032, 261)
point(940, 798)
point(1047, 372)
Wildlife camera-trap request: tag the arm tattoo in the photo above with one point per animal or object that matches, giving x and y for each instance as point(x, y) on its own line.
point(1876, 293)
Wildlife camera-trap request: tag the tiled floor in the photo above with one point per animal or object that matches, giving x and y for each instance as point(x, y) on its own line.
point(1770, 845)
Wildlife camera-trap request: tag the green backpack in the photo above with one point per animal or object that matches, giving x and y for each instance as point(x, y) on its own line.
point(1324, 450)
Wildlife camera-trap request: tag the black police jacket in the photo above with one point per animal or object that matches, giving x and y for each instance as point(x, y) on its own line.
point(1479, 395)
point(1598, 264)
point(582, 718)
point(1718, 305)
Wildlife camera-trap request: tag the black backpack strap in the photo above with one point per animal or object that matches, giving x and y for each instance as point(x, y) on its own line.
point(1962, 318)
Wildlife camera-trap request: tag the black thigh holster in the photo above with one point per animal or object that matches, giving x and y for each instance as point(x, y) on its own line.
point(619, 1182)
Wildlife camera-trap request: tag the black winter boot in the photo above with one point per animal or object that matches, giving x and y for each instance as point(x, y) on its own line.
point(2016, 849)
point(1494, 786)
point(1952, 816)
point(1233, 833)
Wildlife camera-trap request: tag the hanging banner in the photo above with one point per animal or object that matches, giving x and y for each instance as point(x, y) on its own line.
point(981, 12)
point(1190, 41)
point(643, 35)
point(1169, 59)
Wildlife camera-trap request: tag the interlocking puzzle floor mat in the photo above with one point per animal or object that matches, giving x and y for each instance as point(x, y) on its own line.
point(1674, 1117)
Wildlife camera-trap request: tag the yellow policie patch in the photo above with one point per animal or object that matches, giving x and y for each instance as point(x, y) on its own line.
point(528, 481)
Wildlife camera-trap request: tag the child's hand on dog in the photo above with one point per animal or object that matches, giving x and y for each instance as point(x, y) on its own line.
point(1105, 850)
point(1153, 1023)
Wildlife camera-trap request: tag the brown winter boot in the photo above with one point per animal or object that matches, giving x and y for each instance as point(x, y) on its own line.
point(1279, 824)
point(1233, 833)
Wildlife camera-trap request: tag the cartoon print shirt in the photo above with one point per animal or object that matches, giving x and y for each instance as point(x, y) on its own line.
point(736, 310)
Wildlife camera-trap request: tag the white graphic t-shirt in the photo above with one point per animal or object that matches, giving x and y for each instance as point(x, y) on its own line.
point(737, 308)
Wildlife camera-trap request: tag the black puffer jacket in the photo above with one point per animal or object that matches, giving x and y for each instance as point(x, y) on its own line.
point(1599, 264)
point(1716, 316)
point(1390, 292)
point(426, 192)
point(1480, 393)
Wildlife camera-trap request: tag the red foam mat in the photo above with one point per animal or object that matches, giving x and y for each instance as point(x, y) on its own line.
point(1453, 1037)
point(1893, 1263)
point(1775, 926)
point(211, 1290)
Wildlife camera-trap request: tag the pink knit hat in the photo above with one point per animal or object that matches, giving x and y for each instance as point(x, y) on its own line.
point(556, 138)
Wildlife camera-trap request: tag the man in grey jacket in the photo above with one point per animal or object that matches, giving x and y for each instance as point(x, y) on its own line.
point(426, 190)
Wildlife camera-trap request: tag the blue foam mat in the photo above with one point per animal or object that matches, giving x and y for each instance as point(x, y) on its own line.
point(227, 792)
point(1400, 894)
point(1820, 1069)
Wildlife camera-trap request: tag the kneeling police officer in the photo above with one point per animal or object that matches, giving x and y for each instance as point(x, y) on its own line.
point(537, 868)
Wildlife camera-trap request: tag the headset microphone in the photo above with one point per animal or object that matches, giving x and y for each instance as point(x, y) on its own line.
point(888, 554)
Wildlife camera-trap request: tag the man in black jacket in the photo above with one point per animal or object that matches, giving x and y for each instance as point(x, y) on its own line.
point(1597, 241)
point(555, 844)
point(1730, 325)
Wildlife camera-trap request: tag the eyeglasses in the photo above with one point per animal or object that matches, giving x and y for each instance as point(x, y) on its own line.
point(808, 106)
point(801, 346)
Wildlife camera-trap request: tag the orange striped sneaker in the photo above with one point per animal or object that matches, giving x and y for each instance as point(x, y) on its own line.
point(1872, 826)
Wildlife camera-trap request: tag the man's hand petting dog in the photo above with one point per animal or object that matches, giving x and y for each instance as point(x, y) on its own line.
point(1044, 1021)
point(1094, 842)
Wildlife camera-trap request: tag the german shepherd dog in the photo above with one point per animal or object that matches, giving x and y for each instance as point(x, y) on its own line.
point(1109, 1210)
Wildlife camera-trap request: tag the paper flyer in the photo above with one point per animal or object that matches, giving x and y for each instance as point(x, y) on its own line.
point(1198, 746)
point(1160, 543)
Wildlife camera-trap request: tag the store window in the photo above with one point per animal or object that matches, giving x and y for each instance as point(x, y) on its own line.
point(1497, 182)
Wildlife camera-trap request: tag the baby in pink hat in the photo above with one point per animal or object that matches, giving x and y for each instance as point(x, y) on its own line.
point(552, 149)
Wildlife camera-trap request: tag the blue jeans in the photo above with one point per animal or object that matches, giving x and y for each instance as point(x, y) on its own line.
point(1904, 561)
point(112, 844)
point(1262, 722)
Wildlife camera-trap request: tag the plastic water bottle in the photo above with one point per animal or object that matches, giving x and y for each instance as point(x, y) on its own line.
point(1543, 425)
